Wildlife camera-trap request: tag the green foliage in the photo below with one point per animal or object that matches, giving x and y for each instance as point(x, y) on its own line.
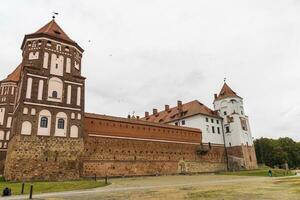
point(45, 187)
point(260, 172)
point(275, 153)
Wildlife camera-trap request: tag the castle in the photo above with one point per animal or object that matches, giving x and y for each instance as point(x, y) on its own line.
point(45, 133)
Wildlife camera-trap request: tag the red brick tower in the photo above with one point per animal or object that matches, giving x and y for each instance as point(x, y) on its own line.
point(47, 127)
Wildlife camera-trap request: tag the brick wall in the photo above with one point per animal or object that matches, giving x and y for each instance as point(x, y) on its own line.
point(125, 147)
point(43, 158)
point(246, 154)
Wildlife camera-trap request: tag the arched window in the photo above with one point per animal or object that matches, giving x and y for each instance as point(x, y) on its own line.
point(55, 89)
point(54, 94)
point(61, 124)
point(44, 122)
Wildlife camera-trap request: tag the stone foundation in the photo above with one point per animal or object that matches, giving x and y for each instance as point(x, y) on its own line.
point(242, 157)
point(43, 158)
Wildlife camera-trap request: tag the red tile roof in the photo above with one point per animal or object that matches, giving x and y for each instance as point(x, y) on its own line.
point(226, 92)
point(53, 29)
point(188, 109)
point(15, 75)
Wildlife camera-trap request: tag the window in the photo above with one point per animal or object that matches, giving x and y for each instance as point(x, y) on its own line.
point(227, 130)
point(218, 130)
point(209, 145)
point(183, 122)
point(44, 122)
point(242, 113)
point(207, 128)
point(230, 144)
point(225, 113)
point(176, 123)
point(247, 144)
point(213, 129)
point(54, 94)
point(61, 124)
point(217, 121)
point(212, 120)
point(206, 119)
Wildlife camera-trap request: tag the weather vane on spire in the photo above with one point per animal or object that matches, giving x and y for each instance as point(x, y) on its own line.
point(54, 13)
point(225, 80)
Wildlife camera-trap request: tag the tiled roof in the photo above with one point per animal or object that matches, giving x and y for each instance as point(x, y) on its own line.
point(226, 92)
point(136, 121)
point(53, 29)
point(188, 109)
point(15, 75)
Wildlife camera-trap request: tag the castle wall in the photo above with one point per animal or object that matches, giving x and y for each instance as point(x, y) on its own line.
point(246, 155)
point(43, 158)
point(142, 148)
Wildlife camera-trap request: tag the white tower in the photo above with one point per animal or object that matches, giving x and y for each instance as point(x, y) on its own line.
point(236, 125)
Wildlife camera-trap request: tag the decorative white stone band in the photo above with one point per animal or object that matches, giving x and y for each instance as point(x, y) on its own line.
point(52, 106)
point(44, 38)
point(33, 75)
point(141, 139)
point(70, 82)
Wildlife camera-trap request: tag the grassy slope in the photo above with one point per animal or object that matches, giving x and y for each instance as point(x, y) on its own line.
point(259, 172)
point(43, 187)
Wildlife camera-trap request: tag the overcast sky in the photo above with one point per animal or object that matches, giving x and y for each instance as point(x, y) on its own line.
point(145, 53)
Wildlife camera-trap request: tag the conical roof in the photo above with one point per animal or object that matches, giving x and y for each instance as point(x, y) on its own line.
point(53, 29)
point(226, 92)
point(15, 75)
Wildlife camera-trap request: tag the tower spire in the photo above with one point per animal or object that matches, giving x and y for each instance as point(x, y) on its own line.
point(53, 15)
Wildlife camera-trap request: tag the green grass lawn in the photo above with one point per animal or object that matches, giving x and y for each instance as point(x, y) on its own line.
point(260, 172)
point(45, 187)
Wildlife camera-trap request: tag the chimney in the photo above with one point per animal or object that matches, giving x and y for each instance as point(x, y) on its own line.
point(179, 106)
point(128, 116)
point(216, 96)
point(146, 114)
point(138, 117)
point(154, 111)
point(167, 107)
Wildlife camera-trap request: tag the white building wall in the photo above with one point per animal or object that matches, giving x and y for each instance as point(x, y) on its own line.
point(233, 107)
point(199, 121)
point(2, 113)
point(57, 65)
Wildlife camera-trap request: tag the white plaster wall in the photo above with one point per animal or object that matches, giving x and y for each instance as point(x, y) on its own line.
point(1, 135)
point(29, 88)
point(68, 65)
point(55, 84)
point(9, 120)
point(2, 114)
point(76, 65)
point(26, 128)
point(78, 96)
point(237, 136)
point(41, 130)
point(61, 132)
point(46, 58)
point(40, 89)
point(33, 55)
point(69, 92)
point(199, 121)
point(74, 131)
point(57, 65)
